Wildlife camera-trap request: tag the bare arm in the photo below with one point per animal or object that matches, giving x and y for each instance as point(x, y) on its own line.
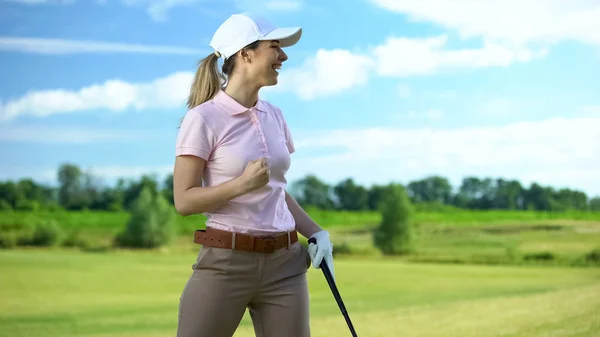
point(304, 224)
point(191, 197)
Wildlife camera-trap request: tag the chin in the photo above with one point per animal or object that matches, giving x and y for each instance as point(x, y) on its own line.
point(271, 82)
point(270, 79)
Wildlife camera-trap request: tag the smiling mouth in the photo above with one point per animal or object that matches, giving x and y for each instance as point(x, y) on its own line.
point(277, 67)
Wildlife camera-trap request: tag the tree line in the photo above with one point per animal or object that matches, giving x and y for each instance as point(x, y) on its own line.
point(80, 190)
point(473, 193)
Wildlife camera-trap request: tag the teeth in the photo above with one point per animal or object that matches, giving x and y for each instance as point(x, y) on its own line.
point(277, 67)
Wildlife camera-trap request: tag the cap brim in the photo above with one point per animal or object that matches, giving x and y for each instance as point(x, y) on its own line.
point(287, 36)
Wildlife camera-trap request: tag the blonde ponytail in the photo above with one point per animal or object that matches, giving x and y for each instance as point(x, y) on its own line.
point(207, 81)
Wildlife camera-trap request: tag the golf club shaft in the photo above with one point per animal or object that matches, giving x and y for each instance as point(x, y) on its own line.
point(338, 297)
point(336, 293)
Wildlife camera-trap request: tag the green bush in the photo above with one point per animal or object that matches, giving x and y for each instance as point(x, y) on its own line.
point(30, 232)
point(342, 249)
point(15, 232)
point(5, 205)
point(47, 233)
point(27, 205)
point(395, 233)
point(76, 240)
point(151, 224)
point(593, 256)
point(8, 239)
point(539, 256)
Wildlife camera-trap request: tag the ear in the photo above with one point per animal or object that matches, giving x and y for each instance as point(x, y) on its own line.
point(244, 55)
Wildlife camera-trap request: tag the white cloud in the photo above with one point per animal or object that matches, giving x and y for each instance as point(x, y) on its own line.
point(66, 134)
point(332, 71)
point(61, 46)
point(590, 111)
point(542, 151)
point(115, 95)
point(510, 21)
point(328, 72)
point(401, 57)
point(158, 9)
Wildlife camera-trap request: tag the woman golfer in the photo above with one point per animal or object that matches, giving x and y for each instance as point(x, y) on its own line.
point(233, 151)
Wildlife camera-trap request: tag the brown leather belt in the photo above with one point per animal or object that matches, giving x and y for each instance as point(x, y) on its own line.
point(263, 244)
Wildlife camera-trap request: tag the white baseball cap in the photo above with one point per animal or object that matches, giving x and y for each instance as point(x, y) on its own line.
point(239, 30)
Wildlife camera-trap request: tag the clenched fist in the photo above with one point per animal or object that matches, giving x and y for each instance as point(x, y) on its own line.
point(256, 174)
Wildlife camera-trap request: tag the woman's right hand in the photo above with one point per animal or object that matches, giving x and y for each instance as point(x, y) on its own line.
point(256, 174)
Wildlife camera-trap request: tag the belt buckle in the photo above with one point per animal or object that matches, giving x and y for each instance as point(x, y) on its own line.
point(269, 244)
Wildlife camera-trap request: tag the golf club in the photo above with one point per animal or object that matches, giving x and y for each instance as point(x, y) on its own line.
point(334, 290)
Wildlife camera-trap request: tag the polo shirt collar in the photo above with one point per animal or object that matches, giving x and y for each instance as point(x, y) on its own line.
point(232, 106)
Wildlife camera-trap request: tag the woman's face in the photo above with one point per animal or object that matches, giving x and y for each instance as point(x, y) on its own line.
point(265, 62)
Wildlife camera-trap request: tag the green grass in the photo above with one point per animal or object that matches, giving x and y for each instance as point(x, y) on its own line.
point(453, 216)
point(67, 292)
point(55, 292)
point(461, 237)
point(108, 223)
point(553, 243)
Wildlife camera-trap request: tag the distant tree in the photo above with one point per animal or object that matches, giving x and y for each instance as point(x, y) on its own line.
point(567, 199)
point(5, 205)
point(434, 189)
point(133, 190)
point(71, 193)
point(351, 197)
point(11, 194)
point(594, 204)
point(469, 193)
point(32, 191)
point(167, 190)
point(311, 191)
point(487, 192)
point(509, 194)
point(395, 234)
point(538, 197)
point(151, 223)
point(93, 190)
point(79, 190)
point(113, 198)
point(375, 195)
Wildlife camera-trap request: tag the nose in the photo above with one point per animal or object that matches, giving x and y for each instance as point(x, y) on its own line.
point(282, 55)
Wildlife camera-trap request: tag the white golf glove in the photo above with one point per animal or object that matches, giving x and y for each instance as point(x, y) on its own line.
point(323, 250)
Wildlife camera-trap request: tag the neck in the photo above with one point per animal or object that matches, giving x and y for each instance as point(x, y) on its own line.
point(246, 95)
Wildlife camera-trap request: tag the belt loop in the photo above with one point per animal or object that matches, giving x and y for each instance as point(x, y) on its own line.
point(233, 241)
point(289, 240)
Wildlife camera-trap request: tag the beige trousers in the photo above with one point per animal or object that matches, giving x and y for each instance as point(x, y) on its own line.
point(224, 282)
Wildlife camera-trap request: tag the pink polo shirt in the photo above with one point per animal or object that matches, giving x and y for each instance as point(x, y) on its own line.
point(228, 135)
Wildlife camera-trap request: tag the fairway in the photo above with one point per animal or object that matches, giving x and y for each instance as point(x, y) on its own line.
point(64, 293)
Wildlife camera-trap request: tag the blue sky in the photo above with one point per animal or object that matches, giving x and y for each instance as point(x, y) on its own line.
point(383, 91)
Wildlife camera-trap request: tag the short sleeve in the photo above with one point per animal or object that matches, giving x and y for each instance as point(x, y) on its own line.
point(289, 141)
point(195, 137)
point(288, 136)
